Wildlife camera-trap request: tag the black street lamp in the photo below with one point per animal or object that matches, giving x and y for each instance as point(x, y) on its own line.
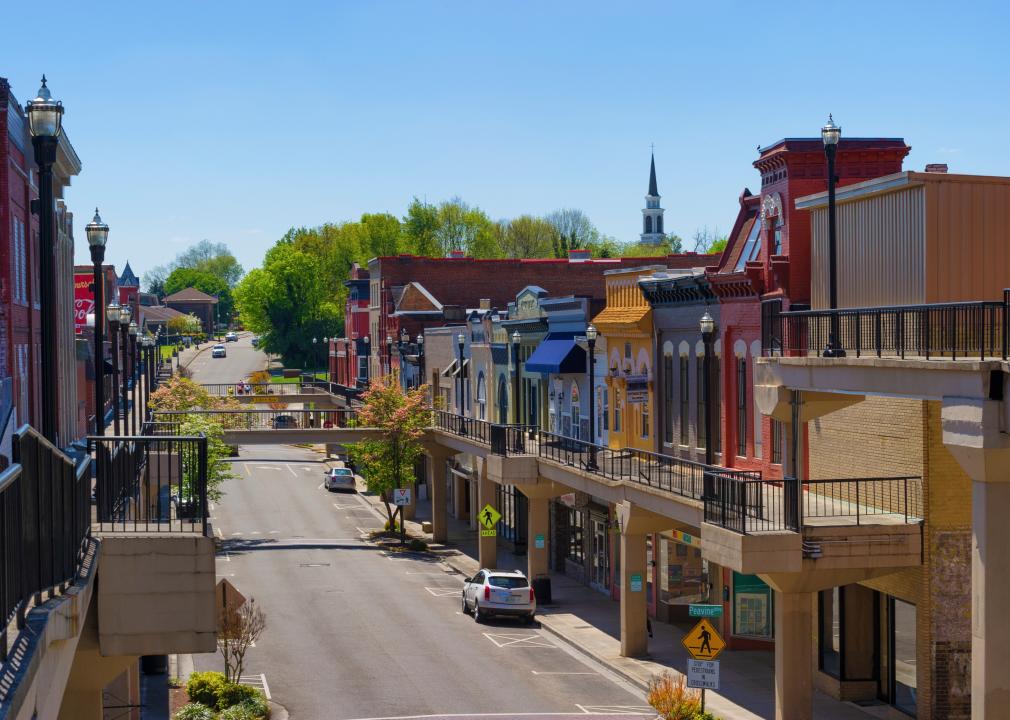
point(112, 313)
point(124, 365)
point(591, 341)
point(368, 356)
point(516, 338)
point(831, 134)
point(389, 354)
point(135, 373)
point(98, 235)
point(45, 119)
point(708, 338)
point(314, 359)
point(460, 340)
point(420, 359)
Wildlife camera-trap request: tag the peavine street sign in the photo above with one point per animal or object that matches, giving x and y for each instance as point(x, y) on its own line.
point(704, 611)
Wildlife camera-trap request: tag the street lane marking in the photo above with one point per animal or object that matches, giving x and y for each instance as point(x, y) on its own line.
point(320, 487)
point(217, 531)
point(247, 472)
point(255, 532)
point(617, 710)
point(516, 640)
point(541, 672)
point(443, 592)
point(267, 467)
point(293, 473)
point(274, 532)
point(224, 557)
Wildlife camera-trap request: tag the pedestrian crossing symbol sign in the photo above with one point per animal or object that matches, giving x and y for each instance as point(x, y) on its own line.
point(704, 641)
point(488, 519)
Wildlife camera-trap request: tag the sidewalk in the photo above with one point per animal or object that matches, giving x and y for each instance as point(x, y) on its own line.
point(590, 622)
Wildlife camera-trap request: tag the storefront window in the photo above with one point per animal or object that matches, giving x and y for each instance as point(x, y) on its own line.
point(741, 407)
point(830, 631)
point(700, 415)
point(683, 575)
point(777, 436)
point(684, 401)
point(904, 681)
point(752, 607)
point(576, 552)
point(668, 397)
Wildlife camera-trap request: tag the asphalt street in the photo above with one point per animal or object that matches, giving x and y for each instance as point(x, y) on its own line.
point(242, 359)
point(355, 631)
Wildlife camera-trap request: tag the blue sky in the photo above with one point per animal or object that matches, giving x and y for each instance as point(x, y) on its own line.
point(234, 121)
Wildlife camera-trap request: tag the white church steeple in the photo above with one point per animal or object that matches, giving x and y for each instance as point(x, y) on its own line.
point(652, 214)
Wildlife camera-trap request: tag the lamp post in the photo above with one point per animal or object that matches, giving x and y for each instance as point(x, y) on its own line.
point(420, 359)
point(135, 414)
point(516, 338)
point(124, 366)
point(830, 135)
point(708, 339)
point(98, 235)
point(591, 341)
point(315, 358)
point(45, 120)
point(460, 340)
point(389, 354)
point(368, 355)
point(112, 313)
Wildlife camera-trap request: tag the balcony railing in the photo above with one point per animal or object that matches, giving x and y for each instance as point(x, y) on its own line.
point(468, 427)
point(972, 330)
point(263, 419)
point(150, 484)
point(45, 505)
point(750, 506)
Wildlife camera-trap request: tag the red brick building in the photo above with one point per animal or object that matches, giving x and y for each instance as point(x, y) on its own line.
point(348, 355)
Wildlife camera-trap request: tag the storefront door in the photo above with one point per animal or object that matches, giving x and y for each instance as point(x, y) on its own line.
point(599, 571)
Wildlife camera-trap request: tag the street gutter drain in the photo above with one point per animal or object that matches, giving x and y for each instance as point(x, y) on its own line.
point(313, 564)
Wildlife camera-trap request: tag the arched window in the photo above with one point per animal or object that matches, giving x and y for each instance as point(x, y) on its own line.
point(481, 397)
point(659, 224)
point(648, 224)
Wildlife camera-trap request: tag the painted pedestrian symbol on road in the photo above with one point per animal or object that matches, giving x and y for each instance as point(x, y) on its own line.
point(704, 641)
point(489, 518)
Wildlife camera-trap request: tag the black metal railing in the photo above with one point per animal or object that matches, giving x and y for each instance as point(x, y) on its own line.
point(468, 427)
point(750, 506)
point(255, 389)
point(513, 439)
point(45, 503)
point(944, 330)
point(150, 484)
point(263, 419)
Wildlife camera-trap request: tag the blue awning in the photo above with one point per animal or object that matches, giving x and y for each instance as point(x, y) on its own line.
point(557, 354)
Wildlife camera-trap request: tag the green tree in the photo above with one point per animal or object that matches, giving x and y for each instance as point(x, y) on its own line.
point(573, 230)
point(387, 462)
point(184, 325)
point(288, 302)
point(420, 227)
point(528, 237)
point(383, 235)
point(182, 278)
point(212, 257)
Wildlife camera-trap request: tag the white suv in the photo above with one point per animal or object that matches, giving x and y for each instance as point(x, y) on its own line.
point(499, 592)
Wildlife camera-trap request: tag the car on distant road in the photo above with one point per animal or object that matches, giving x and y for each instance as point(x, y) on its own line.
point(231, 337)
point(255, 342)
point(218, 351)
point(285, 422)
point(340, 479)
point(492, 593)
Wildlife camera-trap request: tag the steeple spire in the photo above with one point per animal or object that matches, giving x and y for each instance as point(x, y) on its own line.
point(653, 190)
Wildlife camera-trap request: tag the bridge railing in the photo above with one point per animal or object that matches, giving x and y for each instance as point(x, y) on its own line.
point(257, 389)
point(45, 501)
point(150, 484)
point(267, 419)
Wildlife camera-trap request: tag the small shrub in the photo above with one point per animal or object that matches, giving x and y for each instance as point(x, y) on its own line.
point(174, 682)
point(704, 716)
point(258, 706)
point(417, 544)
point(672, 699)
point(232, 694)
point(391, 527)
point(194, 711)
point(204, 687)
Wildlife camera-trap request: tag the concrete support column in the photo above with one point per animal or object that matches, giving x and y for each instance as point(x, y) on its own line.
point(794, 632)
point(990, 629)
point(439, 520)
point(634, 604)
point(537, 531)
point(487, 547)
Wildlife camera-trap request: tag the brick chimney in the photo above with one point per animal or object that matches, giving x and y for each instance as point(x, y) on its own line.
point(937, 168)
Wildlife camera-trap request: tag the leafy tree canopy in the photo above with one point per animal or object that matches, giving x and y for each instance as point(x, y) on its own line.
point(182, 278)
point(205, 256)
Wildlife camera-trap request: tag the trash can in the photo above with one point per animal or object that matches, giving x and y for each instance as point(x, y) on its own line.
point(154, 664)
point(542, 589)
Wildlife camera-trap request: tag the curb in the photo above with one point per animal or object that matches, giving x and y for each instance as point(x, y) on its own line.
point(277, 711)
point(606, 662)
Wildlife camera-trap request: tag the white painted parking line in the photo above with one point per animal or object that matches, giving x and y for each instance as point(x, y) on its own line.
point(267, 467)
point(320, 486)
point(617, 710)
point(274, 532)
point(247, 472)
point(224, 557)
point(255, 532)
point(443, 592)
point(293, 473)
point(542, 672)
point(519, 640)
point(217, 531)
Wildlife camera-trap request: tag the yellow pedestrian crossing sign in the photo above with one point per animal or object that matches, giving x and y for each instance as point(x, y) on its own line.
point(704, 641)
point(489, 518)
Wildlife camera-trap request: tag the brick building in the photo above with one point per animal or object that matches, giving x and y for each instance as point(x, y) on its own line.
point(195, 302)
point(348, 356)
point(20, 291)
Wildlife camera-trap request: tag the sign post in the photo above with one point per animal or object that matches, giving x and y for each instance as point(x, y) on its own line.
point(401, 498)
point(704, 643)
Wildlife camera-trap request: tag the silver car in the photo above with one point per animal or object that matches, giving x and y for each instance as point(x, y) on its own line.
point(340, 479)
point(492, 593)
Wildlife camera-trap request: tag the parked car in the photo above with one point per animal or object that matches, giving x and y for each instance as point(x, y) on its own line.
point(340, 479)
point(218, 351)
point(255, 342)
point(492, 593)
point(231, 337)
point(285, 422)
